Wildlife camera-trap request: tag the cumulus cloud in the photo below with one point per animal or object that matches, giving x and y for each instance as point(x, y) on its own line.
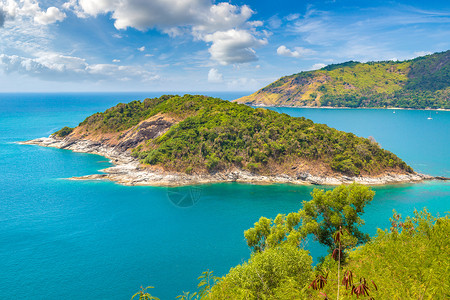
point(233, 46)
point(52, 15)
point(23, 9)
point(298, 52)
point(283, 51)
point(225, 25)
point(165, 14)
point(214, 76)
point(57, 67)
point(142, 49)
point(224, 16)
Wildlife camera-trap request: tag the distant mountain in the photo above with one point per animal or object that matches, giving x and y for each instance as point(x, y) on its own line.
point(423, 82)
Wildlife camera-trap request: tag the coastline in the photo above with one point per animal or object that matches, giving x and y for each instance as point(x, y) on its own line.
point(343, 107)
point(128, 170)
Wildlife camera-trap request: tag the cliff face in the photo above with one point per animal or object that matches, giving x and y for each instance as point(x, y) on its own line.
point(423, 82)
point(125, 140)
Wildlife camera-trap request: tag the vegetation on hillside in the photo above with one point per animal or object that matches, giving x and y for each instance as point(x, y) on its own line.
point(63, 132)
point(214, 135)
point(409, 261)
point(423, 82)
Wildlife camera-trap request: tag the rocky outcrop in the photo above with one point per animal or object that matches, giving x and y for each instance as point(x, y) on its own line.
point(144, 131)
point(128, 170)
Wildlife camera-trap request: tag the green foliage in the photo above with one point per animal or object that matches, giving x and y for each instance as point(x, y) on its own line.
point(188, 296)
point(63, 132)
point(332, 67)
point(277, 273)
point(144, 295)
point(207, 280)
point(411, 261)
point(431, 72)
point(340, 207)
point(322, 217)
point(344, 165)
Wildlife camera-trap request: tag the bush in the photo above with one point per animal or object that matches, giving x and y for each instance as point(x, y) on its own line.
point(344, 165)
point(65, 131)
point(273, 274)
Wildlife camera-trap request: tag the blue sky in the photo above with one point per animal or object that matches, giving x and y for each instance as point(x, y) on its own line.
point(203, 45)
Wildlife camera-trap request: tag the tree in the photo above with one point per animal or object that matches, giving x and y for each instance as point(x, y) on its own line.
point(325, 214)
point(342, 207)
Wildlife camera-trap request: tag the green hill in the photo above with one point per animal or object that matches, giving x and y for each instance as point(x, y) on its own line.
point(198, 134)
point(423, 82)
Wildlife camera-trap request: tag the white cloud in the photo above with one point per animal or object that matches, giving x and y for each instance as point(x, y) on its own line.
point(142, 49)
point(292, 17)
point(244, 84)
point(371, 34)
point(52, 15)
point(275, 22)
point(224, 16)
point(165, 14)
point(233, 46)
point(149, 55)
point(214, 76)
point(57, 67)
point(298, 52)
point(29, 9)
point(227, 26)
point(421, 53)
point(318, 66)
point(116, 60)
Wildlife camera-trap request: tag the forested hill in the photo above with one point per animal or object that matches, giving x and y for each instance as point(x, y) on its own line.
point(423, 82)
point(199, 134)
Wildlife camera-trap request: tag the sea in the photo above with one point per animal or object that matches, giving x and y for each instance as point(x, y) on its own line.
point(62, 239)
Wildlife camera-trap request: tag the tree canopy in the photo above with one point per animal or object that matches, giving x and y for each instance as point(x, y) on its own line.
point(326, 213)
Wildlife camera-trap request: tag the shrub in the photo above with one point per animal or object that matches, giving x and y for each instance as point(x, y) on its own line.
point(65, 131)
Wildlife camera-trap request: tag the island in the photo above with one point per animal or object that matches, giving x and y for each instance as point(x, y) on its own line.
point(420, 83)
point(192, 139)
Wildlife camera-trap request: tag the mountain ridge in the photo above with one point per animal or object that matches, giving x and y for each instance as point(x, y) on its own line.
point(420, 83)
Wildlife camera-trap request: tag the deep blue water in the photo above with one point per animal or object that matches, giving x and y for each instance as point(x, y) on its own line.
point(99, 240)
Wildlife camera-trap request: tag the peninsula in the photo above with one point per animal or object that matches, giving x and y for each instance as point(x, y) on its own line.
point(190, 139)
point(420, 83)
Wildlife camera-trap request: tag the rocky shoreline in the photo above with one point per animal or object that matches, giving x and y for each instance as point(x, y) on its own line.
point(128, 171)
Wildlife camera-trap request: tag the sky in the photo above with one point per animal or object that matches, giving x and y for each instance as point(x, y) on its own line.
point(203, 45)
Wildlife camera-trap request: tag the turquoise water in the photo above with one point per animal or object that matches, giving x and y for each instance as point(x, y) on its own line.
point(98, 240)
